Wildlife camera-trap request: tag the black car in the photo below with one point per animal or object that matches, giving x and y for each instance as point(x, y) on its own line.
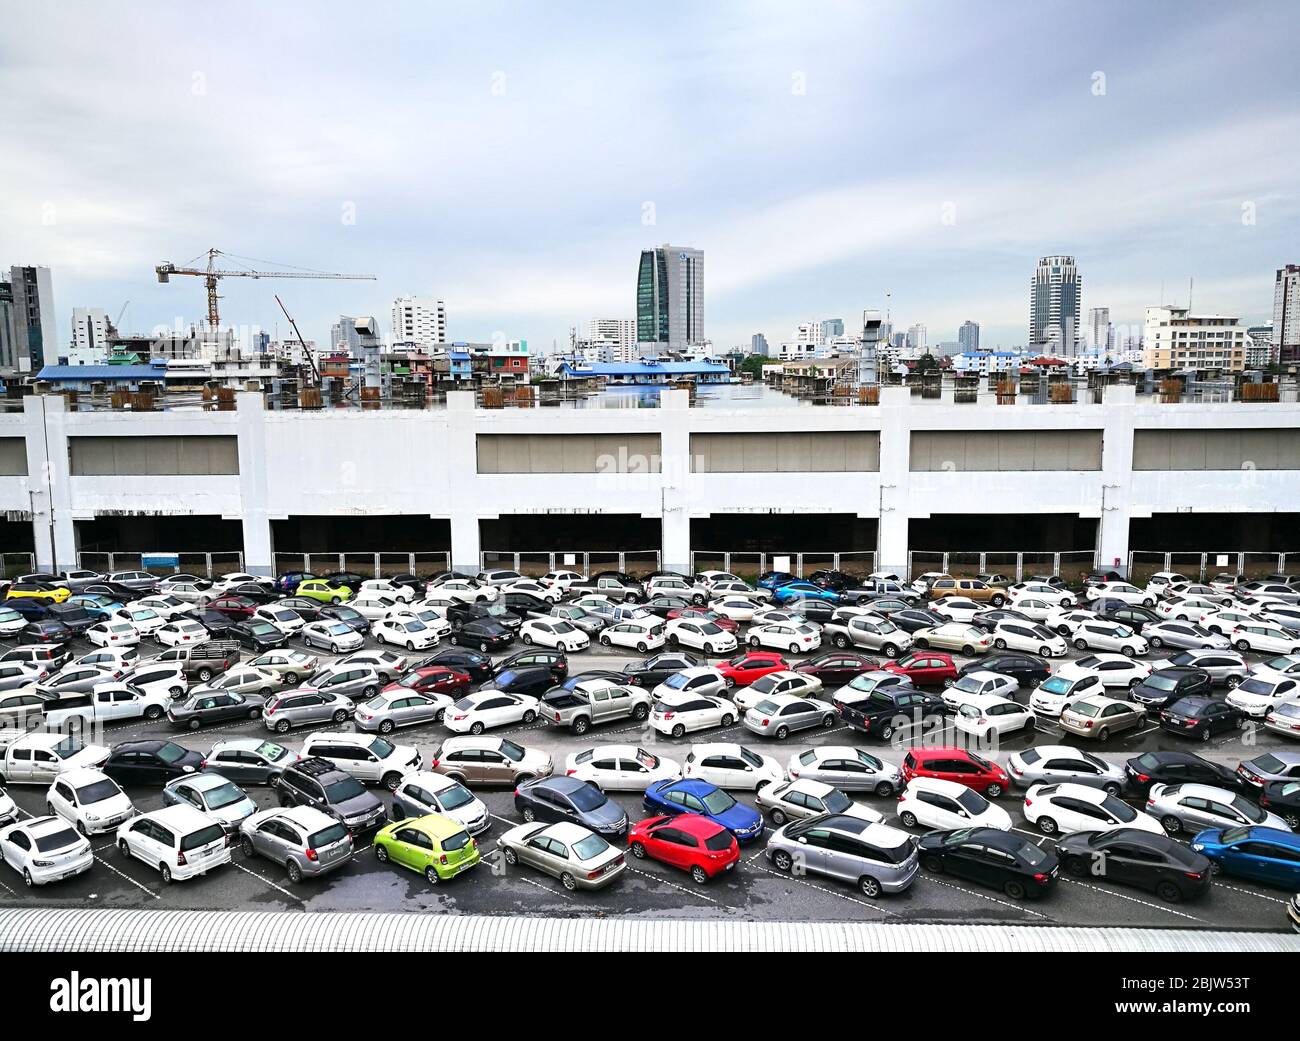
point(349, 616)
point(1149, 768)
point(45, 630)
point(885, 709)
point(661, 605)
point(817, 611)
point(1132, 857)
point(257, 635)
point(477, 666)
point(533, 681)
point(552, 799)
point(1199, 716)
point(351, 579)
point(1025, 669)
point(831, 578)
point(74, 616)
point(461, 614)
point(200, 581)
point(837, 668)
point(912, 619)
point(1165, 686)
point(255, 592)
point(150, 762)
point(307, 609)
point(122, 594)
point(1132, 615)
point(1282, 798)
point(445, 576)
point(988, 620)
point(521, 605)
point(406, 578)
point(997, 859)
point(483, 633)
point(215, 622)
point(319, 783)
point(658, 667)
point(535, 657)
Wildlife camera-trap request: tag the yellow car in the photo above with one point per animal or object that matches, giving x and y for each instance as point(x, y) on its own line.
point(319, 589)
point(437, 847)
point(38, 591)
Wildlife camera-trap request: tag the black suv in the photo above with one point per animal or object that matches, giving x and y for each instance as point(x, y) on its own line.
point(885, 709)
point(1025, 669)
point(535, 657)
point(319, 783)
point(483, 633)
point(460, 615)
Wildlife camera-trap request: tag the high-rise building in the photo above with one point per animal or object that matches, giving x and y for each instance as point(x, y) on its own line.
point(831, 328)
point(1101, 334)
point(621, 331)
point(670, 299)
point(27, 326)
point(1174, 338)
point(968, 336)
point(1260, 351)
point(419, 320)
point(758, 345)
point(91, 329)
point(1054, 295)
point(1286, 314)
point(916, 338)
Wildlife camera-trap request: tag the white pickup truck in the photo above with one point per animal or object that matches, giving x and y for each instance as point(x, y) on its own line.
point(109, 702)
point(38, 758)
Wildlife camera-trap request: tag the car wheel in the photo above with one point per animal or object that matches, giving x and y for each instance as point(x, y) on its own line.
point(782, 860)
point(569, 882)
point(392, 780)
point(386, 726)
point(1156, 643)
point(838, 640)
point(1148, 603)
point(993, 790)
point(509, 856)
point(753, 641)
point(1243, 646)
point(968, 650)
point(890, 650)
point(381, 854)
point(195, 724)
point(605, 641)
point(932, 864)
point(81, 827)
point(27, 878)
point(1292, 820)
point(923, 643)
point(246, 845)
point(1000, 644)
point(829, 720)
point(282, 727)
point(205, 675)
point(1205, 734)
point(778, 816)
point(340, 716)
point(1015, 890)
point(476, 729)
point(708, 648)
point(782, 732)
point(580, 725)
point(678, 730)
point(483, 647)
point(166, 873)
point(295, 872)
point(997, 601)
point(1169, 893)
point(869, 887)
point(527, 638)
point(884, 789)
point(1047, 825)
point(431, 876)
point(1112, 789)
point(336, 600)
point(908, 818)
point(699, 875)
point(887, 731)
point(1171, 824)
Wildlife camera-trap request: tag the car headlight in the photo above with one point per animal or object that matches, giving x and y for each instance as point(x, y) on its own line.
point(1197, 846)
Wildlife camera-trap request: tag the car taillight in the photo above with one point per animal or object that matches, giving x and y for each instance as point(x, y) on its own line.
point(1143, 778)
point(1028, 802)
point(766, 722)
point(433, 765)
point(669, 715)
point(180, 859)
point(569, 773)
point(1041, 878)
point(1194, 875)
point(310, 854)
point(593, 874)
point(442, 859)
point(1151, 802)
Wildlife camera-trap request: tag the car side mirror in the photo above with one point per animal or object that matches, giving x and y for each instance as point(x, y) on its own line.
point(803, 841)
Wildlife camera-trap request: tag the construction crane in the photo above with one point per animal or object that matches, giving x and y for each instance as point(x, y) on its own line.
point(213, 274)
point(306, 352)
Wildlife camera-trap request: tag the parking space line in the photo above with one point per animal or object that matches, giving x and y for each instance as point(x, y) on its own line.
point(1134, 899)
point(1251, 892)
point(123, 874)
point(674, 885)
point(991, 899)
point(832, 892)
point(548, 889)
point(263, 878)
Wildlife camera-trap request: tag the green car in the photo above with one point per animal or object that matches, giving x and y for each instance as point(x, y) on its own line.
point(319, 589)
point(437, 847)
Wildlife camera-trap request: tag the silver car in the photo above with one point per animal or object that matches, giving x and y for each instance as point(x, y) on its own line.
point(390, 709)
point(874, 857)
point(782, 714)
point(75, 679)
point(1051, 764)
point(578, 857)
point(241, 680)
point(1185, 635)
point(1271, 766)
point(794, 800)
point(249, 760)
point(211, 793)
point(298, 708)
point(1225, 668)
point(850, 769)
point(426, 792)
point(1194, 807)
point(15, 674)
point(354, 682)
point(289, 665)
point(288, 834)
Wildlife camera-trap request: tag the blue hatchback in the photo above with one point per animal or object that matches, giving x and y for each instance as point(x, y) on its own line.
point(689, 795)
point(97, 605)
point(802, 590)
point(1266, 855)
point(773, 579)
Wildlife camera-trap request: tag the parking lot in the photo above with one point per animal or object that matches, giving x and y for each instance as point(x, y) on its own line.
point(754, 891)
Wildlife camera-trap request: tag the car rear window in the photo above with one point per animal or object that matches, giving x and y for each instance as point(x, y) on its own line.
point(719, 842)
point(203, 837)
point(327, 836)
point(57, 840)
point(454, 842)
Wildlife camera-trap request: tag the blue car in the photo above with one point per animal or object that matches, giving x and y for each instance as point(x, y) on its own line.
point(95, 604)
point(1266, 855)
point(772, 579)
point(801, 590)
point(689, 795)
point(30, 607)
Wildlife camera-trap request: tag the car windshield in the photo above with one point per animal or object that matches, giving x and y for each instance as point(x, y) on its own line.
point(344, 789)
point(224, 795)
point(972, 802)
point(383, 749)
point(97, 791)
point(68, 747)
point(1121, 811)
point(1255, 686)
point(717, 801)
point(55, 840)
point(587, 798)
point(838, 802)
point(764, 684)
point(1162, 682)
point(512, 751)
point(677, 681)
point(1056, 685)
point(767, 708)
point(1248, 810)
point(455, 797)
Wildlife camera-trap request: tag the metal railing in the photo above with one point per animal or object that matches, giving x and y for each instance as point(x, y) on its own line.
point(1015, 565)
point(209, 564)
point(749, 564)
point(1142, 564)
point(372, 564)
point(538, 562)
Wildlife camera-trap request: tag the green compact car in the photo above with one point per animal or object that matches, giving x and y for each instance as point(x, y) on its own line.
point(437, 847)
point(319, 589)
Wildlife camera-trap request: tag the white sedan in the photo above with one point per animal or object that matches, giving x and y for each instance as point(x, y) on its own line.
point(555, 633)
point(738, 608)
point(1187, 608)
point(1114, 670)
point(372, 608)
point(1063, 809)
point(731, 765)
point(785, 636)
point(1263, 638)
point(144, 620)
point(1057, 596)
point(1026, 636)
point(958, 608)
point(182, 631)
point(286, 619)
point(937, 803)
point(677, 713)
point(431, 617)
point(1034, 607)
point(1223, 622)
point(783, 616)
point(561, 580)
point(700, 635)
point(729, 587)
point(551, 594)
point(1065, 622)
point(113, 632)
point(774, 684)
point(621, 768)
point(226, 583)
point(978, 684)
point(166, 605)
point(486, 709)
point(987, 714)
point(1124, 591)
point(1257, 696)
point(410, 633)
point(376, 588)
point(45, 849)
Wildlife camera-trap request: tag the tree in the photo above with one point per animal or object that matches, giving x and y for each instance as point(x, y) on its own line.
point(926, 362)
point(754, 363)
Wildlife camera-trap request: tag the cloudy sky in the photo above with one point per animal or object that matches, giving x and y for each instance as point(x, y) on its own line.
point(514, 158)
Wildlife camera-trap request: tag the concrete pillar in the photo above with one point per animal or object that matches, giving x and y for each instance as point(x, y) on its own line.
point(49, 487)
point(259, 551)
point(462, 461)
point(1120, 402)
point(895, 476)
point(675, 475)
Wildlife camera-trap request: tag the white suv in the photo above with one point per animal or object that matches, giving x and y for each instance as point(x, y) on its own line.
point(368, 758)
point(179, 841)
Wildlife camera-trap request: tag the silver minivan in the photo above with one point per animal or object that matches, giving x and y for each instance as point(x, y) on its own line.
point(876, 858)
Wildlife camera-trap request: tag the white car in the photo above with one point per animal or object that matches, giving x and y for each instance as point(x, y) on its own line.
point(1282, 665)
point(724, 588)
point(226, 583)
point(1160, 582)
point(114, 662)
point(38, 758)
point(773, 684)
point(1056, 692)
point(486, 709)
point(1263, 638)
point(738, 608)
point(804, 797)
point(1223, 622)
point(731, 765)
point(1109, 636)
point(425, 792)
point(937, 803)
point(676, 713)
point(555, 633)
point(1187, 608)
point(388, 665)
point(433, 617)
point(165, 605)
point(90, 800)
point(621, 768)
point(1285, 615)
point(372, 608)
point(1064, 622)
point(977, 684)
point(186, 589)
point(179, 841)
point(367, 757)
point(144, 620)
point(463, 591)
point(986, 714)
point(1114, 670)
point(1010, 634)
point(783, 636)
point(1063, 809)
point(11, 622)
point(1058, 596)
point(1034, 607)
point(113, 632)
point(383, 589)
point(410, 633)
point(699, 635)
point(1123, 591)
point(181, 632)
point(784, 616)
point(532, 587)
point(561, 580)
point(699, 679)
point(45, 849)
point(847, 768)
point(286, 619)
point(641, 634)
point(1284, 718)
point(1257, 696)
point(710, 578)
point(336, 637)
point(958, 608)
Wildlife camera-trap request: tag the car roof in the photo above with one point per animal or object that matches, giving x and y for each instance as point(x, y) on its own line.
point(805, 784)
point(82, 775)
point(457, 743)
point(181, 815)
point(938, 784)
point(436, 826)
point(47, 826)
point(985, 674)
point(565, 831)
point(343, 738)
point(1205, 791)
point(1086, 792)
point(691, 785)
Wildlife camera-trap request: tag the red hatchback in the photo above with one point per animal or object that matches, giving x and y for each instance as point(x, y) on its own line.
point(703, 614)
point(688, 842)
point(925, 668)
point(956, 764)
point(433, 679)
point(236, 607)
point(744, 669)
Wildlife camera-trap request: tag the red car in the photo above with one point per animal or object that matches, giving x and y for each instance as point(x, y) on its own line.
point(688, 842)
point(433, 679)
point(234, 607)
point(956, 764)
point(925, 668)
point(836, 668)
point(744, 669)
point(703, 614)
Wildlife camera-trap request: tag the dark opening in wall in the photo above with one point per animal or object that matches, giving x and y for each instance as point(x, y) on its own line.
point(1001, 532)
point(584, 532)
point(783, 533)
point(151, 533)
point(402, 533)
point(1210, 532)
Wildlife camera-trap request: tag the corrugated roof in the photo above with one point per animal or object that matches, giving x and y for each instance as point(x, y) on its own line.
point(102, 372)
point(647, 368)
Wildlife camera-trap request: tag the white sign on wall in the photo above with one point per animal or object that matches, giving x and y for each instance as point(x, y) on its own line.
point(780, 563)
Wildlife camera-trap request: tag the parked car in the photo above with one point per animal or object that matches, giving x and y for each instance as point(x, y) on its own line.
point(1149, 768)
point(836, 668)
point(217, 796)
point(880, 703)
point(730, 765)
point(90, 800)
point(1265, 855)
point(248, 760)
point(658, 667)
point(565, 798)
point(1199, 716)
point(999, 859)
point(45, 850)
point(1192, 807)
point(1052, 764)
point(939, 803)
point(847, 768)
point(1027, 670)
point(370, 759)
point(1099, 718)
point(296, 708)
point(1134, 857)
point(701, 847)
point(489, 760)
point(621, 767)
point(486, 709)
point(970, 640)
point(320, 784)
point(1066, 808)
point(1164, 687)
point(958, 765)
point(804, 797)
point(150, 762)
point(579, 858)
point(875, 858)
point(691, 795)
point(304, 840)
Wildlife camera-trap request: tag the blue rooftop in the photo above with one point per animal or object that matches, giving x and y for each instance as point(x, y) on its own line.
point(55, 373)
point(648, 368)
